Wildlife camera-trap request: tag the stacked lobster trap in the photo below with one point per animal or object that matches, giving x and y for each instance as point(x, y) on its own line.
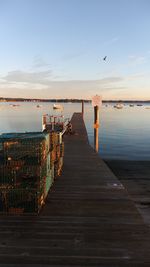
point(57, 152)
point(29, 162)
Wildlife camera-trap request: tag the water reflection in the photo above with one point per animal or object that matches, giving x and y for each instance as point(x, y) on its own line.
point(123, 134)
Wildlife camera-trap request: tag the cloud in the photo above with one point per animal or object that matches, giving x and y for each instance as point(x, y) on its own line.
point(111, 41)
point(136, 76)
point(45, 77)
point(40, 85)
point(111, 80)
point(39, 62)
point(71, 56)
point(136, 60)
point(28, 77)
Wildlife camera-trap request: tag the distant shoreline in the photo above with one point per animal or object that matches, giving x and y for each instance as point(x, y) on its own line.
point(8, 99)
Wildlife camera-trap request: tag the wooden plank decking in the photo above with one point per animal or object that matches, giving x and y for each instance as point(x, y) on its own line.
point(88, 220)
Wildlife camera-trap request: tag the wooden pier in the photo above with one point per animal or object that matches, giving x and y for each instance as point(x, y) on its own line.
point(88, 220)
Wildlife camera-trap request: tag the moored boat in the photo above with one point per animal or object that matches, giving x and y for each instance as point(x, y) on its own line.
point(39, 106)
point(57, 106)
point(118, 105)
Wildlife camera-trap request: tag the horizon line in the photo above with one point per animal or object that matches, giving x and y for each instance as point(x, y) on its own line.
point(69, 99)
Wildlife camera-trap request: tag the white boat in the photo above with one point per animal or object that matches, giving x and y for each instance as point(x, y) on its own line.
point(56, 106)
point(118, 105)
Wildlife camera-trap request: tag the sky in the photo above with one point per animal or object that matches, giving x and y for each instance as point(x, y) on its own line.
point(55, 49)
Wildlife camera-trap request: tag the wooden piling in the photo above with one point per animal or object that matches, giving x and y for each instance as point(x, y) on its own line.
point(96, 126)
point(82, 107)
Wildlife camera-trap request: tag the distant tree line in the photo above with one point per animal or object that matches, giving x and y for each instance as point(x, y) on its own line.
point(66, 100)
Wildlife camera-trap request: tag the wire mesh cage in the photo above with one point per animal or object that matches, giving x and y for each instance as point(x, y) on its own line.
point(29, 163)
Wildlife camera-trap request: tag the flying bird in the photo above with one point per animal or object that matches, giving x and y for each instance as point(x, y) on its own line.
point(105, 58)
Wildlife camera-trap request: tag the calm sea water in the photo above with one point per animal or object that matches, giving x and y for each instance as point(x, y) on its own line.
point(123, 133)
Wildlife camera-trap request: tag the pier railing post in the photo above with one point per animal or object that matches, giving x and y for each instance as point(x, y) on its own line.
point(43, 122)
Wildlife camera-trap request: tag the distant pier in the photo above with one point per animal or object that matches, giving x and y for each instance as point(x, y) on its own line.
point(88, 220)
